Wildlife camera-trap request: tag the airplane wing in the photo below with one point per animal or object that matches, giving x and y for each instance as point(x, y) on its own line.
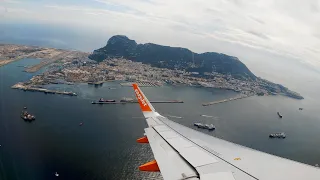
point(184, 153)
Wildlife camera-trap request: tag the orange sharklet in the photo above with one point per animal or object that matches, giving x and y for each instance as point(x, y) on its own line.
point(151, 166)
point(144, 139)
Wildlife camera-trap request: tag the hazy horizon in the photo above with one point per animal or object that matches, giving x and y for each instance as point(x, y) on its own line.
point(260, 29)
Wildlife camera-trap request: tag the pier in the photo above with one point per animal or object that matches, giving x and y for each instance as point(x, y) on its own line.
point(46, 91)
point(135, 101)
point(224, 100)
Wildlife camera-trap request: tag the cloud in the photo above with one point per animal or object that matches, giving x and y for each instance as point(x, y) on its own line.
point(10, 1)
point(256, 19)
point(258, 34)
point(18, 10)
point(289, 28)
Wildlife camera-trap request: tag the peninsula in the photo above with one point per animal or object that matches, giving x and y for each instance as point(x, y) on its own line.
point(122, 59)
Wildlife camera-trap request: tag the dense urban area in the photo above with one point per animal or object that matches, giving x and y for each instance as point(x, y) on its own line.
point(68, 67)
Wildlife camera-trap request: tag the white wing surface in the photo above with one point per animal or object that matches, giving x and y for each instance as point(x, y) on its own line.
point(184, 153)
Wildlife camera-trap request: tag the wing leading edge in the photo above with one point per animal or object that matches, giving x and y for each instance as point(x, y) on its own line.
point(183, 153)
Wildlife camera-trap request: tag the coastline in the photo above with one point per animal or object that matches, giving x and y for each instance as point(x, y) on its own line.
point(68, 67)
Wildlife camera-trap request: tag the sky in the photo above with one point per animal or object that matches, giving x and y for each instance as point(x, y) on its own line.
point(260, 32)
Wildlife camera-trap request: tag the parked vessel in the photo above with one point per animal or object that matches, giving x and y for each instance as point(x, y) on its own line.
point(27, 117)
point(205, 126)
point(278, 135)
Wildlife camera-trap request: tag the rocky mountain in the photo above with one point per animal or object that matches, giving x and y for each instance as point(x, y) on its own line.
point(172, 57)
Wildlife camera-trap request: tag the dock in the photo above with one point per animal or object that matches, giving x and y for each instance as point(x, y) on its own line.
point(224, 100)
point(135, 101)
point(46, 91)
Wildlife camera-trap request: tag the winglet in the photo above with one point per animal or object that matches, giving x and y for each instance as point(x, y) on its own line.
point(144, 103)
point(144, 139)
point(151, 166)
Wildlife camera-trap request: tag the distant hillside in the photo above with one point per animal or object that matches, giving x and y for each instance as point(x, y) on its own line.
point(172, 57)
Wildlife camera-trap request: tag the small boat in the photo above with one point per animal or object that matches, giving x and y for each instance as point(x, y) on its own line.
point(300, 109)
point(209, 127)
point(107, 100)
point(178, 117)
point(56, 174)
point(205, 126)
point(278, 135)
point(206, 116)
point(199, 125)
point(81, 124)
point(27, 117)
point(280, 116)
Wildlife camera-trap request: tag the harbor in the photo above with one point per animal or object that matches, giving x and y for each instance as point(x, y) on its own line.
point(225, 100)
point(21, 86)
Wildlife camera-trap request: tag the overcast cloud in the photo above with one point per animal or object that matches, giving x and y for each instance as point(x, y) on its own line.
point(286, 28)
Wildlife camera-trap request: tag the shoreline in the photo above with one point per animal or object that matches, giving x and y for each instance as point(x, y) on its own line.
point(76, 67)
